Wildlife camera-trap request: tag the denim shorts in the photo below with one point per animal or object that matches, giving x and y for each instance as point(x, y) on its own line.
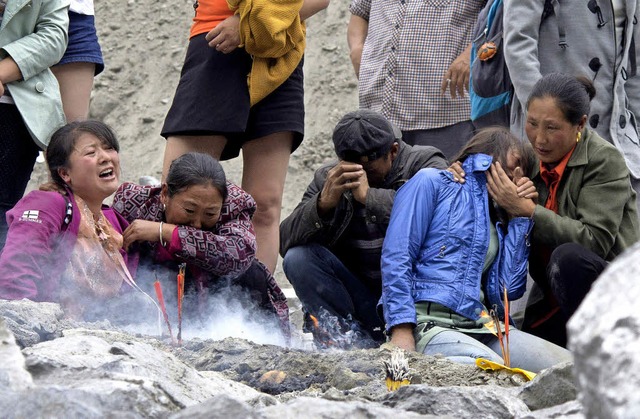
point(83, 42)
point(212, 98)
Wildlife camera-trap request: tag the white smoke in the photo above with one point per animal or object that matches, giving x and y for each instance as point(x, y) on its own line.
point(227, 312)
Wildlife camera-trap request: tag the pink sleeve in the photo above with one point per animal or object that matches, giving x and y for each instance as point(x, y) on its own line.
point(28, 267)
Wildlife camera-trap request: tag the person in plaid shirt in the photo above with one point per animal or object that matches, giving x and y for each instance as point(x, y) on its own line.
point(412, 60)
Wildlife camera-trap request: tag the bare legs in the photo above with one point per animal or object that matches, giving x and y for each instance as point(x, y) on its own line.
point(76, 82)
point(179, 145)
point(266, 161)
point(265, 166)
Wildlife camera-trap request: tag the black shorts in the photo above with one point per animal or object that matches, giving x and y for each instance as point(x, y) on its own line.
point(212, 98)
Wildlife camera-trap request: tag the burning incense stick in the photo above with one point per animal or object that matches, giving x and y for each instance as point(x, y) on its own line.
point(180, 280)
point(496, 320)
point(158, 288)
point(506, 326)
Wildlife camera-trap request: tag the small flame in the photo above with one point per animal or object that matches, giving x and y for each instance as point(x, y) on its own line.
point(488, 322)
point(316, 325)
point(492, 323)
point(329, 331)
point(321, 334)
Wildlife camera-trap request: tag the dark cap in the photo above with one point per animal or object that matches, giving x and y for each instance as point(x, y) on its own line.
point(364, 133)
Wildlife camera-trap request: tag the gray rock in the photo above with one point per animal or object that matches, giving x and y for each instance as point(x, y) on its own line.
point(32, 322)
point(62, 402)
point(13, 375)
point(458, 402)
point(218, 407)
point(119, 371)
point(568, 410)
point(604, 335)
point(314, 408)
point(553, 386)
point(92, 372)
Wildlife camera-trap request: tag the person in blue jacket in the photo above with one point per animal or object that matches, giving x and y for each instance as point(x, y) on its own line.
point(450, 251)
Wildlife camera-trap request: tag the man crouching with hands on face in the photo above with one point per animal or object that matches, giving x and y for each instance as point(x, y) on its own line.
point(332, 242)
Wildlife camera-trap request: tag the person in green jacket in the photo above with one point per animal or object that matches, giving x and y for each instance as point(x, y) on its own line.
point(33, 37)
point(586, 214)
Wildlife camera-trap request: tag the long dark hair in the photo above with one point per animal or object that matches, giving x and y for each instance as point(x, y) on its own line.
point(64, 140)
point(572, 94)
point(497, 142)
point(196, 169)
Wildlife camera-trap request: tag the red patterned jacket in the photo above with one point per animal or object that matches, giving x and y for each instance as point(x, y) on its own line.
point(228, 250)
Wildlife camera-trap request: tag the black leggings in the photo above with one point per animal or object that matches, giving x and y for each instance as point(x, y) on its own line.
point(18, 153)
point(571, 271)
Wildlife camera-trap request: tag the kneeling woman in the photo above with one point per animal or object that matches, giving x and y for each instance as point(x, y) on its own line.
point(450, 251)
point(63, 245)
point(198, 218)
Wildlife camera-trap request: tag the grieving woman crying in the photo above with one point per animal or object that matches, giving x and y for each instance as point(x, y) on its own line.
point(199, 220)
point(63, 244)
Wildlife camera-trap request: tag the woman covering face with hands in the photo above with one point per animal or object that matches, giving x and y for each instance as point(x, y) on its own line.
point(453, 248)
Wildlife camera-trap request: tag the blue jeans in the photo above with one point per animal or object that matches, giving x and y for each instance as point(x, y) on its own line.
point(526, 351)
point(322, 282)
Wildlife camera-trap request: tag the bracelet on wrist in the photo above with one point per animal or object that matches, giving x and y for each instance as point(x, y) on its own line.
point(162, 242)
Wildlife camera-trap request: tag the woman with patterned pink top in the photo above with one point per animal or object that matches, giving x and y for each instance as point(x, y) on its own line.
point(198, 218)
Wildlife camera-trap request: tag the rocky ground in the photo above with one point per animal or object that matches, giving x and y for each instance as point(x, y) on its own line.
point(55, 367)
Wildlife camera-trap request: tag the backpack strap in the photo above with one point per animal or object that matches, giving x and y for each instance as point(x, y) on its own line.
point(68, 212)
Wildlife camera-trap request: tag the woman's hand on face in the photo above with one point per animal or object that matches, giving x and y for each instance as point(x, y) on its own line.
point(505, 192)
point(226, 36)
point(141, 230)
point(526, 189)
point(402, 337)
point(524, 185)
point(456, 170)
